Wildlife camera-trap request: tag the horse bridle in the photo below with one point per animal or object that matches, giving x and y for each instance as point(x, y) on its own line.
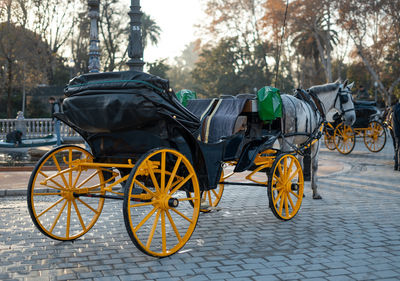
point(343, 98)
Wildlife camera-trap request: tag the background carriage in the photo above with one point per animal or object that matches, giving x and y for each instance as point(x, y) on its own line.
point(168, 159)
point(368, 125)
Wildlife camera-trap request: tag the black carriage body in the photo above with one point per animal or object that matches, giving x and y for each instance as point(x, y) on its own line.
point(366, 111)
point(123, 115)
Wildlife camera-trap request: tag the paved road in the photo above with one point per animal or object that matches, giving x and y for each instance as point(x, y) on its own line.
point(352, 234)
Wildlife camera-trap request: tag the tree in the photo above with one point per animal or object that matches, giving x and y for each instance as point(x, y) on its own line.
point(240, 19)
point(54, 21)
point(229, 69)
point(310, 23)
point(180, 72)
point(374, 29)
point(113, 26)
point(159, 68)
point(150, 31)
point(19, 66)
point(80, 40)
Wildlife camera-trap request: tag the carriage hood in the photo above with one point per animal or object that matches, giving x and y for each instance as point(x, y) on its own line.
point(115, 101)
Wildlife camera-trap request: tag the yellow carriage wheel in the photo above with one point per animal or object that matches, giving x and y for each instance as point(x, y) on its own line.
point(158, 214)
point(344, 138)
point(210, 198)
point(285, 187)
point(329, 140)
point(375, 136)
point(52, 202)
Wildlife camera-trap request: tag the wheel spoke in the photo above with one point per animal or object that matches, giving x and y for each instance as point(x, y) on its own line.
point(145, 219)
point(290, 201)
point(51, 207)
point(173, 174)
point(163, 232)
point(286, 205)
point(281, 203)
point(153, 229)
point(144, 187)
point(277, 187)
point(276, 199)
point(53, 181)
point(293, 175)
point(285, 167)
point(69, 166)
point(181, 183)
point(297, 195)
point(171, 221)
point(290, 165)
point(79, 215)
point(281, 171)
point(68, 219)
point(277, 178)
point(77, 178)
point(87, 205)
point(182, 215)
point(142, 204)
point(152, 176)
point(209, 198)
point(88, 179)
point(59, 170)
point(58, 216)
point(163, 160)
point(216, 194)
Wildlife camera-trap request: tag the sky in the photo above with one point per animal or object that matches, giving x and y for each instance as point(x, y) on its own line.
point(176, 19)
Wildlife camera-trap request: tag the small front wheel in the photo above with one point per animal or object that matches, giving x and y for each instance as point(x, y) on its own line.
point(375, 136)
point(159, 217)
point(54, 203)
point(344, 138)
point(285, 187)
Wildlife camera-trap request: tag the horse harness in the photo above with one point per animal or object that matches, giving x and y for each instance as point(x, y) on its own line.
point(311, 99)
point(317, 106)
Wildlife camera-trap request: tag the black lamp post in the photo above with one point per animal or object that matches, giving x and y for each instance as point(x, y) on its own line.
point(94, 49)
point(135, 47)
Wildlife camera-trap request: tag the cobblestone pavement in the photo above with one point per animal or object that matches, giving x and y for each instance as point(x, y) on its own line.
point(352, 234)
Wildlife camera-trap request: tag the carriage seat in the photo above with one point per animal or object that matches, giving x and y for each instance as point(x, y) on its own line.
point(201, 108)
point(224, 120)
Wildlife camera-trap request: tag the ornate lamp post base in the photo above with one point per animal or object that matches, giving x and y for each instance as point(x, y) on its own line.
point(94, 49)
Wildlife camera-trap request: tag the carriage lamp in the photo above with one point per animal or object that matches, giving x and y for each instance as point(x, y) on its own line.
point(135, 46)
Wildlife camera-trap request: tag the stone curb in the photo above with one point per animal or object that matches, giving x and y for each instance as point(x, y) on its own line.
point(12, 192)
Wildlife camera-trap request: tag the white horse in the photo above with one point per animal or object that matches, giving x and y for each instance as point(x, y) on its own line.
point(301, 119)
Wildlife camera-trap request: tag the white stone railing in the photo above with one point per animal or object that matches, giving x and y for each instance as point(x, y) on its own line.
point(35, 128)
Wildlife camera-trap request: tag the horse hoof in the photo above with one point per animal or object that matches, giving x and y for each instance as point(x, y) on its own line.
point(317, 196)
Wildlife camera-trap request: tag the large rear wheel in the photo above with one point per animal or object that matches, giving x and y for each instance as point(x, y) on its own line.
point(159, 216)
point(375, 136)
point(52, 202)
point(344, 138)
point(285, 187)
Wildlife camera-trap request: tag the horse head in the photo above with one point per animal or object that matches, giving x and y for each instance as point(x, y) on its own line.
point(344, 103)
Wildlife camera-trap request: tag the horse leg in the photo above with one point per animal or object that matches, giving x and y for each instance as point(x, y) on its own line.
point(314, 169)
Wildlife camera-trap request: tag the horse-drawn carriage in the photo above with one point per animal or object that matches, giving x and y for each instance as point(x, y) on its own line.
point(368, 125)
point(169, 160)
